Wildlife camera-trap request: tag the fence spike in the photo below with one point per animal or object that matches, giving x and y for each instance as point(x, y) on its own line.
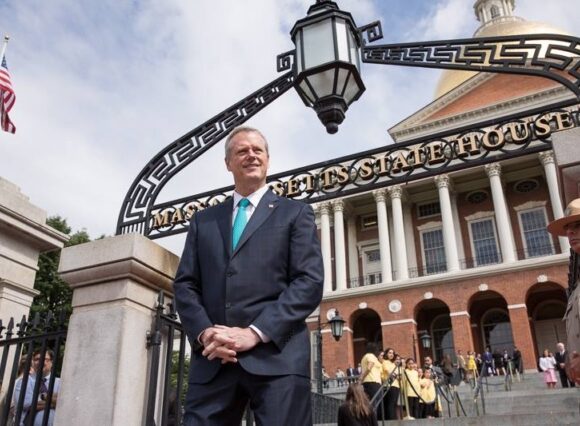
point(36, 320)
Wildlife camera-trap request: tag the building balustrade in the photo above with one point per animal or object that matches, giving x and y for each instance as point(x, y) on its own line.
point(466, 263)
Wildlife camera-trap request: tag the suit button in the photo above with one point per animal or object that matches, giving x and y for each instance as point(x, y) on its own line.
point(230, 272)
point(228, 305)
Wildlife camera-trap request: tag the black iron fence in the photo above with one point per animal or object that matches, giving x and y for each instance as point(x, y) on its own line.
point(26, 348)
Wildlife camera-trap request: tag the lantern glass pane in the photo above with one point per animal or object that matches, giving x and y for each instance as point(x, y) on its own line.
point(307, 92)
point(319, 44)
point(298, 43)
point(352, 89)
point(354, 56)
point(342, 40)
point(342, 75)
point(323, 82)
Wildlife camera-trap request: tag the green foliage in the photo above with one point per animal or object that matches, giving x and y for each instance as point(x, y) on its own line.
point(55, 295)
point(175, 374)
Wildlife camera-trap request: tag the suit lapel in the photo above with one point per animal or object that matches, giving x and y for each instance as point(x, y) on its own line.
point(224, 220)
point(265, 208)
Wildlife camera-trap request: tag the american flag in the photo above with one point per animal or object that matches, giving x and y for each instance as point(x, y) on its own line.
point(7, 98)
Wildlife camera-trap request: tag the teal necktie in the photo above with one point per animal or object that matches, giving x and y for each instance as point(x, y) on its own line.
point(240, 222)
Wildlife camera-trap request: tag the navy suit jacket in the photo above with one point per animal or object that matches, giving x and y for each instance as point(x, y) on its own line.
point(273, 280)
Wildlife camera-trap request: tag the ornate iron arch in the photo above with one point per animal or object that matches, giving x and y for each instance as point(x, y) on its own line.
point(513, 54)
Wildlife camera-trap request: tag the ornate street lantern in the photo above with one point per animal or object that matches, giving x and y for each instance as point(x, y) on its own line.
point(425, 339)
point(336, 326)
point(327, 64)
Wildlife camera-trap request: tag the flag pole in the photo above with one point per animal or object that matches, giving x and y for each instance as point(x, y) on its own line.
point(4, 46)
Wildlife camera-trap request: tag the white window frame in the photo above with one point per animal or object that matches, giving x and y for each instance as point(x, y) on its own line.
point(431, 215)
point(363, 251)
point(528, 207)
point(429, 227)
point(480, 217)
point(362, 220)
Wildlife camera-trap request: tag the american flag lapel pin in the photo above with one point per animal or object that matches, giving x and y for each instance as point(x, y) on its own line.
point(271, 206)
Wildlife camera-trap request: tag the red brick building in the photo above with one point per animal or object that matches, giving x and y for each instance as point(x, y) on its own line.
point(462, 256)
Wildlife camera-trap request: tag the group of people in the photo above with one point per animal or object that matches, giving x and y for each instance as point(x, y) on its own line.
point(407, 385)
point(550, 363)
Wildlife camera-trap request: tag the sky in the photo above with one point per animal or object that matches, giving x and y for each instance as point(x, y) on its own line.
point(102, 86)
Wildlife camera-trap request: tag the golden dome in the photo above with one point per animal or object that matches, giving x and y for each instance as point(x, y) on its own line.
point(450, 79)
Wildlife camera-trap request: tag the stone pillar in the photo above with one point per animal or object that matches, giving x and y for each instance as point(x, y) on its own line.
point(522, 334)
point(402, 268)
point(384, 247)
point(461, 326)
point(352, 248)
point(325, 245)
point(442, 182)
point(504, 229)
point(547, 159)
point(115, 284)
point(24, 234)
point(339, 245)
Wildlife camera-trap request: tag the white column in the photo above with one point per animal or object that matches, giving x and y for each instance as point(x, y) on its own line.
point(547, 159)
point(410, 237)
point(323, 209)
point(384, 247)
point(457, 223)
point(339, 245)
point(442, 182)
point(504, 228)
point(402, 268)
point(352, 248)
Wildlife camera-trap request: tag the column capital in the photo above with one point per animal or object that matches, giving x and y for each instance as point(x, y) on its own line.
point(323, 208)
point(546, 157)
point(442, 181)
point(338, 205)
point(493, 169)
point(380, 195)
point(395, 191)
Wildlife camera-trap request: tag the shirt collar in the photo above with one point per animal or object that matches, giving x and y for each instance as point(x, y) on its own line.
point(254, 197)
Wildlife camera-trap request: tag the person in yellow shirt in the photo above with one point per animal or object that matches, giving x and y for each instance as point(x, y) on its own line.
point(391, 372)
point(428, 395)
point(371, 370)
point(413, 387)
point(471, 366)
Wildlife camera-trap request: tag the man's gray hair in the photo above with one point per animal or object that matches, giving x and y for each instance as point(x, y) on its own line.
point(243, 129)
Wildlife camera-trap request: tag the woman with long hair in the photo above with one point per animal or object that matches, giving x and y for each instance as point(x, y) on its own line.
point(391, 379)
point(548, 366)
point(413, 387)
point(356, 409)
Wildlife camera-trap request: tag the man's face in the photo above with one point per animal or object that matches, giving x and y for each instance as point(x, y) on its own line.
point(47, 363)
point(560, 347)
point(573, 234)
point(428, 361)
point(248, 159)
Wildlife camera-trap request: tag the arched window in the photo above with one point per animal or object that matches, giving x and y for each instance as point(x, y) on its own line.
point(494, 12)
point(442, 335)
point(497, 330)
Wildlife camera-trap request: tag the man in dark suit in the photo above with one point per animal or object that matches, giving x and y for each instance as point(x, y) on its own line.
point(243, 294)
point(561, 357)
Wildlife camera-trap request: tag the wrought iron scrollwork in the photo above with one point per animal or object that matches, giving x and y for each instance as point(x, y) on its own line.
point(552, 56)
point(174, 157)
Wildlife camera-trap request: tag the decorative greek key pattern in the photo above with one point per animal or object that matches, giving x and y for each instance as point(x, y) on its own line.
point(144, 190)
point(284, 61)
point(552, 56)
point(371, 32)
point(484, 143)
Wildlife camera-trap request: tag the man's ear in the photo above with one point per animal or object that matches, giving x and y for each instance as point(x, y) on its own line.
point(227, 164)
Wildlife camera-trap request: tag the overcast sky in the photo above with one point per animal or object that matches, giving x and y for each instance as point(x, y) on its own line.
point(103, 85)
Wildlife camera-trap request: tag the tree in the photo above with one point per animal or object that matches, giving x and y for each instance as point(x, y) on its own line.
point(55, 295)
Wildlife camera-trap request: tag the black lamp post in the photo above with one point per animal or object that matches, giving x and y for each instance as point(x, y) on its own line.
point(336, 328)
point(425, 340)
point(327, 62)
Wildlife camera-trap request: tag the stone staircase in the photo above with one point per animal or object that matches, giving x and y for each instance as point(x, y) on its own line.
point(528, 403)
